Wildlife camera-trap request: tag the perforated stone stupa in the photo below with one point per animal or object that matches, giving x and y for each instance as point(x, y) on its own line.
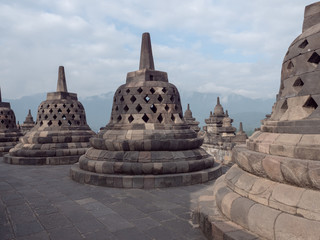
point(147, 143)
point(220, 136)
point(9, 133)
point(274, 189)
point(190, 120)
point(28, 123)
point(61, 134)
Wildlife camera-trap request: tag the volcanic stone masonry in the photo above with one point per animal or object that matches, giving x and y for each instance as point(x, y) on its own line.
point(28, 123)
point(61, 134)
point(273, 190)
point(190, 120)
point(147, 143)
point(9, 133)
point(219, 135)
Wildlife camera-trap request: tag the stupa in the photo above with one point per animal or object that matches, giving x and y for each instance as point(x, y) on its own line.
point(146, 143)
point(219, 135)
point(9, 133)
point(61, 134)
point(190, 120)
point(28, 123)
point(273, 190)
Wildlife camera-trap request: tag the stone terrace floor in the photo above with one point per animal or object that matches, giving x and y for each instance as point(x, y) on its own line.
point(42, 202)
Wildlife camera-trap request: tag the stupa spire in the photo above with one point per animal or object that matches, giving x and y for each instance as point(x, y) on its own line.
point(188, 108)
point(240, 127)
point(146, 58)
point(218, 101)
point(62, 84)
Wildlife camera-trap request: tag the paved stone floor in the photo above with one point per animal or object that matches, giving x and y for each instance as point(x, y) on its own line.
point(42, 202)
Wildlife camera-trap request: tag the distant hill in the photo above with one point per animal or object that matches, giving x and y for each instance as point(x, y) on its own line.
point(98, 108)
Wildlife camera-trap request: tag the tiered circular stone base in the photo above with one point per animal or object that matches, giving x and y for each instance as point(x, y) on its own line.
point(144, 181)
point(50, 148)
point(8, 140)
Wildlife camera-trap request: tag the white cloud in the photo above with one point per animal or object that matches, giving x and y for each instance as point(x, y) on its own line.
point(225, 46)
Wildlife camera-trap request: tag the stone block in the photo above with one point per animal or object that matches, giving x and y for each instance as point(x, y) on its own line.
point(272, 168)
point(239, 212)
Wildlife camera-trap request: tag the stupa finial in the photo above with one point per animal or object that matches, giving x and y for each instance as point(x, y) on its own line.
point(218, 101)
point(146, 58)
point(62, 84)
point(240, 127)
point(29, 113)
point(188, 108)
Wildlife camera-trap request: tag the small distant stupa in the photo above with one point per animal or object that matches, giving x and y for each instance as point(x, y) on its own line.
point(61, 134)
point(190, 120)
point(9, 133)
point(220, 136)
point(147, 143)
point(28, 123)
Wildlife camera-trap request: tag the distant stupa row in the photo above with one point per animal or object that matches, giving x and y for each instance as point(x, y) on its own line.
point(61, 134)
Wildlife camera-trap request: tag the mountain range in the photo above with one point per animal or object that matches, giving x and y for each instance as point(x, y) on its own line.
point(98, 108)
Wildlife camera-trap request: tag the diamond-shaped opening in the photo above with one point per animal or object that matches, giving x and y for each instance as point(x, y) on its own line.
point(176, 107)
point(59, 123)
point(152, 90)
point(117, 108)
point(180, 116)
point(43, 111)
point(114, 99)
point(48, 105)
point(172, 117)
point(41, 123)
point(303, 44)
point(128, 90)
point(119, 118)
point(166, 107)
point(139, 90)
point(54, 117)
point(2, 121)
point(138, 108)
point(133, 99)
point(55, 105)
point(68, 110)
point(46, 117)
point(76, 110)
point(64, 105)
point(172, 98)
point(310, 103)
point(290, 65)
point(153, 108)
point(7, 126)
point(59, 110)
point(126, 108)
point(160, 118)
point(6, 116)
point(49, 123)
point(121, 99)
point(69, 122)
point(130, 119)
point(51, 110)
point(73, 116)
point(64, 117)
point(71, 105)
point(160, 98)
point(298, 82)
point(119, 91)
point(284, 105)
point(146, 99)
point(164, 90)
point(145, 118)
point(315, 58)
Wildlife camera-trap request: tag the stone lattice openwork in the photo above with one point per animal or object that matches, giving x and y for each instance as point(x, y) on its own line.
point(9, 133)
point(61, 134)
point(274, 189)
point(147, 143)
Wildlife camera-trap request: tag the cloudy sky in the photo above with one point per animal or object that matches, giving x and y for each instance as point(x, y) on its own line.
point(220, 46)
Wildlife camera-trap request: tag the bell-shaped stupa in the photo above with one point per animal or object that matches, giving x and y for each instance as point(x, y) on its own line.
point(9, 133)
point(190, 120)
point(147, 143)
point(273, 190)
point(28, 123)
point(61, 134)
